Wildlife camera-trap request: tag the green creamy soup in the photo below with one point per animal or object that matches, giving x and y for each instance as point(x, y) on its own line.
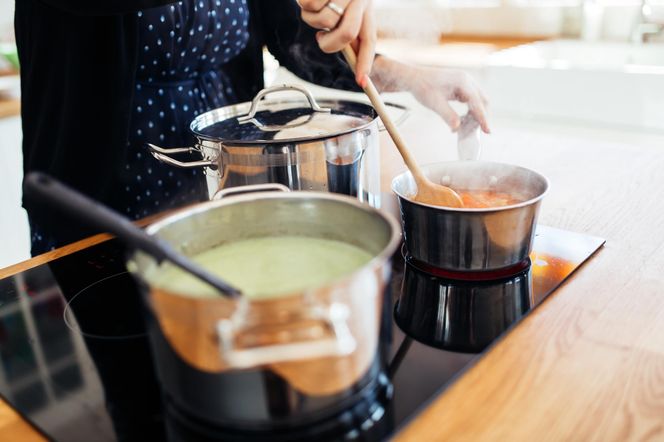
point(268, 266)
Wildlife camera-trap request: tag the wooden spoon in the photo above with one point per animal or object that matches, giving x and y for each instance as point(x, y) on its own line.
point(428, 192)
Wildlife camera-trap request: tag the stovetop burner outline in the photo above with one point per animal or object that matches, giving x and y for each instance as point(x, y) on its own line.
point(70, 317)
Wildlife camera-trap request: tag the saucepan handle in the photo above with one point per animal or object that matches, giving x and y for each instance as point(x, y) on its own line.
point(245, 347)
point(403, 116)
point(162, 155)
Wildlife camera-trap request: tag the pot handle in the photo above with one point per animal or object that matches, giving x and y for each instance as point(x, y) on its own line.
point(162, 155)
point(405, 113)
point(284, 87)
point(267, 187)
point(253, 352)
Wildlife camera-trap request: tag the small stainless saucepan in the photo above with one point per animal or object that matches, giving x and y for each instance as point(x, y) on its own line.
point(472, 240)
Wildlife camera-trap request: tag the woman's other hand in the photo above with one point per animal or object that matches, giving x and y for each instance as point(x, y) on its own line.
point(435, 88)
point(344, 22)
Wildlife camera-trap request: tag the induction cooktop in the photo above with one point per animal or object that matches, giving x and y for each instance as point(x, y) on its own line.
point(90, 377)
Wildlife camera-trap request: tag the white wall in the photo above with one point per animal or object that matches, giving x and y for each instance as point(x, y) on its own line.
point(6, 18)
point(429, 19)
point(14, 232)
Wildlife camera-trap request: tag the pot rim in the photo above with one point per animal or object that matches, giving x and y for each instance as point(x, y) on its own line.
point(529, 202)
point(239, 109)
point(375, 262)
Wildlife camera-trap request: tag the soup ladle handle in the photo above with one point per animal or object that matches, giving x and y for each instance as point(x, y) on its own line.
point(39, 187)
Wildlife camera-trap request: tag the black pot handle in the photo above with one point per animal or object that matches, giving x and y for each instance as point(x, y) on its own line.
point(40, 187)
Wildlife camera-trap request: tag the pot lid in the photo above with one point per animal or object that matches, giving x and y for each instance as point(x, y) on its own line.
point(282, 121)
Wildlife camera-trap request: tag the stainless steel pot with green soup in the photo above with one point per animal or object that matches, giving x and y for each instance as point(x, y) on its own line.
point(311, 323)
point(328, 145)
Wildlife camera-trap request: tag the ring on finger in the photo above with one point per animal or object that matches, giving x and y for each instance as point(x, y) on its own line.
point(336, 8)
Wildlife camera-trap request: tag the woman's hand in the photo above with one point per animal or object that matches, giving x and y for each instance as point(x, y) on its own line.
point(344, 22)
point(434, 88)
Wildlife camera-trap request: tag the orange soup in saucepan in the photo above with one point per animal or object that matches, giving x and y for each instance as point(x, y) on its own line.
point(482, 199)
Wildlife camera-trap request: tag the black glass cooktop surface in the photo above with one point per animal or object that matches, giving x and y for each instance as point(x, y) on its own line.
point(90, 376)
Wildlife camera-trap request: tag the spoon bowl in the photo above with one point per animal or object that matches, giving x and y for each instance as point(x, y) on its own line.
point(436, 194)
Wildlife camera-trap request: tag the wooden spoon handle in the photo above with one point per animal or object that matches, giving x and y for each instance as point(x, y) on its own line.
point(377, 102)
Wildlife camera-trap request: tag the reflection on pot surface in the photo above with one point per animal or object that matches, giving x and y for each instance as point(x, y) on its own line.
point(460, 315)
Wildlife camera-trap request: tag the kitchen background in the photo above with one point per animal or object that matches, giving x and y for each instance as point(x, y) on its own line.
point(556, 71)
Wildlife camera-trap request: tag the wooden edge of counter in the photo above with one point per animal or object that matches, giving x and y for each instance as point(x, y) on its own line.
point(53, 254)
point(75, 247)
point(14, 427)
point(498, 41)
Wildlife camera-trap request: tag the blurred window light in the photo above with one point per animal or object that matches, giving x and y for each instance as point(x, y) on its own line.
point(541, 2)
point(512, 3)
point(626, 2)
point(574, 2)
point(470, 3)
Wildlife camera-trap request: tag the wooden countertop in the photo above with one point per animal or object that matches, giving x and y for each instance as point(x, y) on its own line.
point(10, 107)
point(589, 362)
point(13, 427)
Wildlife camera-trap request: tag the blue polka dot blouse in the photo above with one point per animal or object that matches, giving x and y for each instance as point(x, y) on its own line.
point(180, 75)
point(183, 48)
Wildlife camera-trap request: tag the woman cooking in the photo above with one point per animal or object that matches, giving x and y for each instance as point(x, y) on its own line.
point(101, 78)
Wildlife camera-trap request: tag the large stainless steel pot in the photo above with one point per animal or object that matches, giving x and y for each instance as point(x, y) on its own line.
point(228, 361)
point(328, 145)
point(474, 240)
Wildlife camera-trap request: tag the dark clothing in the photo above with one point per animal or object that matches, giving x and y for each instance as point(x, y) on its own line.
point(183, 48)
point(79, 69)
